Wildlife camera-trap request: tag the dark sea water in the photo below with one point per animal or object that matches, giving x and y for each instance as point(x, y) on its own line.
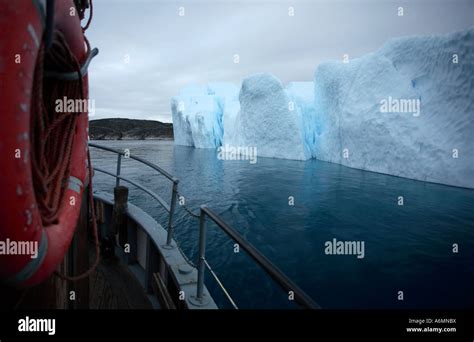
point(408, 248)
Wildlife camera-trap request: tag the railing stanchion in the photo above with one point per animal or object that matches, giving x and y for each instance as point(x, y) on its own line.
point(169, 237)
point(119, 167)
point(202, 255)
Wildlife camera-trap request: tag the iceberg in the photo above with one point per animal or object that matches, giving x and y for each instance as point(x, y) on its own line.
point(405, 110)
point(279, 122)
point(227, 97)
point(301, 97)
point(266, 120)
point(197, 114)
point(194, 119)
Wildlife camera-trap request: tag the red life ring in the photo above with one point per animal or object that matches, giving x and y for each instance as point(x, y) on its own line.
point(22, 23)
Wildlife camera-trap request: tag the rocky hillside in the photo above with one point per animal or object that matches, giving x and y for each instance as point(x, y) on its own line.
point(129, 129)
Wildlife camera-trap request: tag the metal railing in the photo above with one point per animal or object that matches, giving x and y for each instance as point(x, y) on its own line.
point(170, 208)
point(274, 272)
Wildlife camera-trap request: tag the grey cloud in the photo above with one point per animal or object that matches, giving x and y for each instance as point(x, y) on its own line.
point(168, 52)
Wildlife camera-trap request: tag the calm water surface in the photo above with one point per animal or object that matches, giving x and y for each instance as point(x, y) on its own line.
point(407, 248)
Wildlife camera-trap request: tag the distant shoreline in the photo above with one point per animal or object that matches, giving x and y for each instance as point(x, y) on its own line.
point(133, 139)
point(129, 129)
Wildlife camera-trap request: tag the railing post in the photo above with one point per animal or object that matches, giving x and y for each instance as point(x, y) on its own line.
point(200, 299)
point(119, 166)
point(119, 214)
point(202, 255)
point(169, 237)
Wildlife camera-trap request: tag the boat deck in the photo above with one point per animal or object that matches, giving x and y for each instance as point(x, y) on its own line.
point(113, 286)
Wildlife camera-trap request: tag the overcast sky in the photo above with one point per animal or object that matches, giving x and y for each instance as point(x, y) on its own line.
point(148, 52)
